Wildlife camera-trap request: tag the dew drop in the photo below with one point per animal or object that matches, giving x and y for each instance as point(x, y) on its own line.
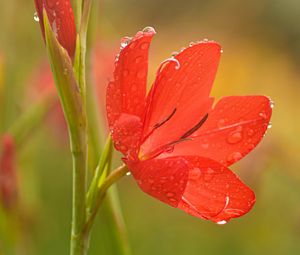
point(125, 41)
point(125, 73)
point(250, 132)
point(170, 194)
point(36, 17)
point(205, 144)
point(144, 46)
point(138, 59)
point(235, 156)
point(269, 125)
point(234, 137)
point(141, 74)
point(222, 222)
point(263, 115)
point(149, 30)
point(221, 123)
point(272, 104)
point(195, 173)
point(128, 173)
point(221, 51)
point(150, 180)
point(210, 171)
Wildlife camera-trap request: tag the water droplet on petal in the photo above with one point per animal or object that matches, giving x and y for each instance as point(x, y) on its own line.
point(144, 46)
point(222, 222)
point(195, 173)
point(141, 74)
point(250, 132)
point(221, 51)
point(221, 123)
point(36, 17)
point(235, 156)
point(205, 144)
point(138, 59)
point(210, 170)
point(263, 115)
point(128, 173)
point(125, 41)
point(269, 125)
point(234, 137)
point(125, 73)
point(149, 30)
point(272, 104)
point(150, 180)
point(170, 194)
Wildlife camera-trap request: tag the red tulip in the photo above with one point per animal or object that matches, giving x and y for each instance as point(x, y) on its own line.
point(8, 179)
point(177, 145)
point(61, 18)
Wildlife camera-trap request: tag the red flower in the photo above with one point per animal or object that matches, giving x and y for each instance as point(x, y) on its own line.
point(8, 179)
point(176, 144)
point(61, 18)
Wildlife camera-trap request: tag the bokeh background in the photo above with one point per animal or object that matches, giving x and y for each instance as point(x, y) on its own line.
point(261, 43)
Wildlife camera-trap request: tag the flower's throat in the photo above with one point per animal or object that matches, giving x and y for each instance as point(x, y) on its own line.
point(170, 145)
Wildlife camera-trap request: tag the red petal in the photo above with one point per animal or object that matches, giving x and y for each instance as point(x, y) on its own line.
point(214, 192)
point(183, 92)
point(126, 94)
point(199, 186)
point(126, 134)
point(233, 128)
point(61, 18)
point(164, 179)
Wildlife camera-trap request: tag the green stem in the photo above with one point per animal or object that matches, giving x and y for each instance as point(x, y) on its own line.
point(111, 179)
point(79, 154)
point(79, 238)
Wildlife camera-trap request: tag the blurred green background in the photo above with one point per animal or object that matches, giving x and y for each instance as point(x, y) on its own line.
point(261, 43)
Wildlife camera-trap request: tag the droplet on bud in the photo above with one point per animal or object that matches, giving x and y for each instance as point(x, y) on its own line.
point(222, 222)
point(36, 17)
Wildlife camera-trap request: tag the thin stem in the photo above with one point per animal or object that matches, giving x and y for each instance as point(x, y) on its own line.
point(79, 156)
point(111, 179)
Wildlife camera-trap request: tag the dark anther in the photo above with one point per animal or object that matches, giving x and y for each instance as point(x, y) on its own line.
point(157, 125)
point(195, 128)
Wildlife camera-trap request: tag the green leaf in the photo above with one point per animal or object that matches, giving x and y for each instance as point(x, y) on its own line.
point(100, 174)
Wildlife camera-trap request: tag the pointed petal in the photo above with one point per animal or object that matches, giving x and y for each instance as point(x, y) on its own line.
point(200, 186)
point(214, 192)
point(233, 128)
point(125, 97)
point(182, 87)
point(126, 94)
point(61, 18)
